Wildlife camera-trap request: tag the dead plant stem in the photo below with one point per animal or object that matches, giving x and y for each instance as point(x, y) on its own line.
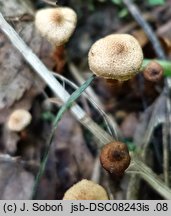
point(135, 12)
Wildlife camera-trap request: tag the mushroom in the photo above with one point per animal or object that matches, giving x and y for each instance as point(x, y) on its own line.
point(117, 56)
point(86, 190)
point(18, 120)
point(56, 24)
point(115, 158)
point(153, 71)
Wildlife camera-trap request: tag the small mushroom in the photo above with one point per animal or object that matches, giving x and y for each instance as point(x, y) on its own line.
point(117, 56)
point(56, 24)
point(153, 71)
point(18, 120)
point(86, 190)
point(115, 158)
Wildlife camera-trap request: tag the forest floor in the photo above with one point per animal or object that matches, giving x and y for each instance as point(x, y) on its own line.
point(131, 104)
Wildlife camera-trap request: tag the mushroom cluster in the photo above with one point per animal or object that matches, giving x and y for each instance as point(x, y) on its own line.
point(86, 190)
point(116, 56)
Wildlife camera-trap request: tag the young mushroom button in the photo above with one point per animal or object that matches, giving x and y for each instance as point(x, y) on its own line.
point(115, 158)
point(153, 71)
point(117, 56)
point(56, 24)
point(18, 120)
point(86, 190)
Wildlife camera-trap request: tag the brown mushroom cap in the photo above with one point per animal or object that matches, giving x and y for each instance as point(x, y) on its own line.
point(115, 158)
point(18, 120)
point(153, 71)
point(86, 190)
point(117, 56)
point(56, 24)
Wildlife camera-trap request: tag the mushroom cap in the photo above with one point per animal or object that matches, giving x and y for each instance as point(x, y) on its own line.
point(56, 24)
point(86, 190)
point(18, 120)
point(153, 71)
point(115, 158)
point(117, 56)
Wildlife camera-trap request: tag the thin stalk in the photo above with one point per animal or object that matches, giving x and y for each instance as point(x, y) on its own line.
point(96, 170)
point(62, 110)
point(165, 128)
point(153, 180)
point(53, 84)
point(111, 125)
point(114, 131)
point(136, 13)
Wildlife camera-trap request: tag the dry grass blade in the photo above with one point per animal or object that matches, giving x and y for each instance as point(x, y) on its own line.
point(134, 10)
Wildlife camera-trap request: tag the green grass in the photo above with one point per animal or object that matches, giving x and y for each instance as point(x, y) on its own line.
point(75, 95)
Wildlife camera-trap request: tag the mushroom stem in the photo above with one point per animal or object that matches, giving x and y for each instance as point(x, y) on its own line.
point(165, 64)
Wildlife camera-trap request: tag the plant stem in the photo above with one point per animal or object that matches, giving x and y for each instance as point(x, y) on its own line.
point(153, 180)
point(62, 110)
point(53, 84)
point(135, 12)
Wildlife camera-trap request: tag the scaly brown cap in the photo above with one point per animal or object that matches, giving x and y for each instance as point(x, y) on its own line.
point(115, 158)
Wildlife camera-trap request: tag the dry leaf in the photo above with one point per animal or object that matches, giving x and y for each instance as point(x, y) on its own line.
point(15, 182)
point(16, 77)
